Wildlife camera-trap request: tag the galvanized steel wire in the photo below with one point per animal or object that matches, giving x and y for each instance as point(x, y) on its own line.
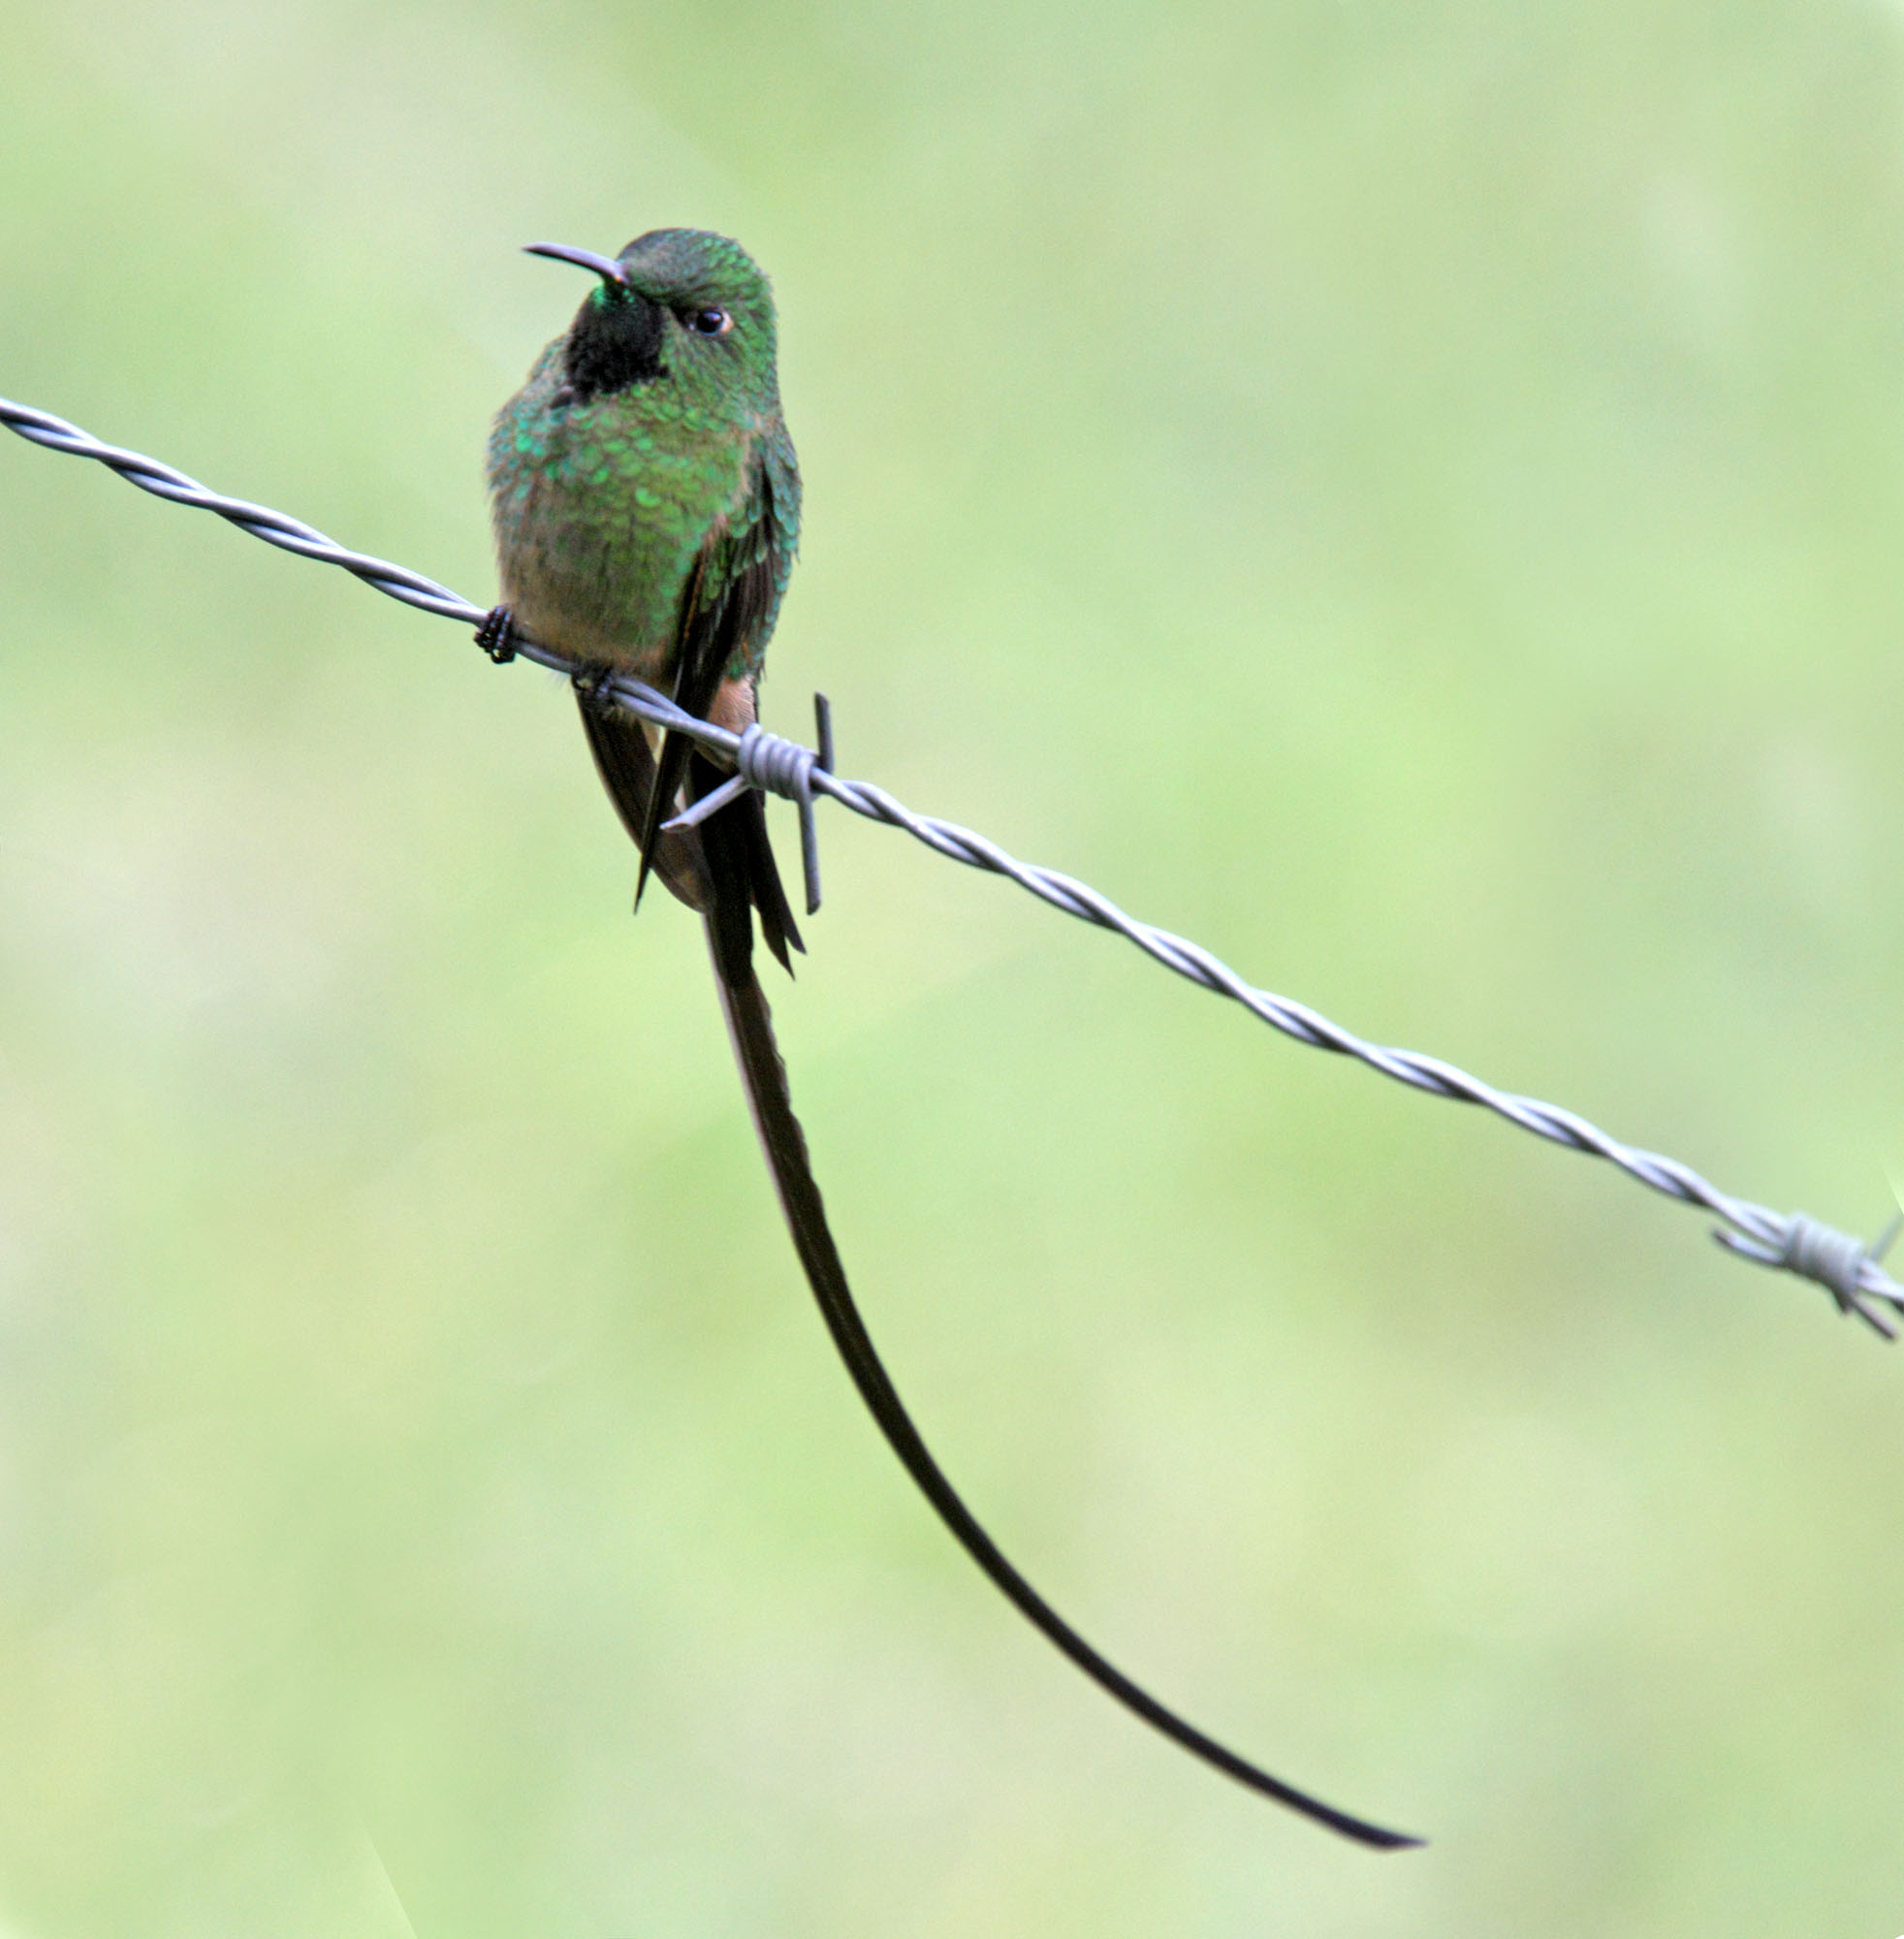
point(1848, 1269)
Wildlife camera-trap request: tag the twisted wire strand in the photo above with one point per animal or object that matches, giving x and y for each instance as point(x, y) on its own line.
point(1847, 1267)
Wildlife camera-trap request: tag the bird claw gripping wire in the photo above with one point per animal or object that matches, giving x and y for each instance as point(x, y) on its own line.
point(1842, 1263)
point(496, 635)
point(776, 765)
point(594, 684)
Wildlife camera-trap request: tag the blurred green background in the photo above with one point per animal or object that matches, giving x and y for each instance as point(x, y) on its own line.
point(1406, 496)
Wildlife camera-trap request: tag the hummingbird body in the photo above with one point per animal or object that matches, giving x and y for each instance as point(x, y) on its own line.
point(647, 504)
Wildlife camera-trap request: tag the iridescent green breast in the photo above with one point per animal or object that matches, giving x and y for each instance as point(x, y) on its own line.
point(600, 509)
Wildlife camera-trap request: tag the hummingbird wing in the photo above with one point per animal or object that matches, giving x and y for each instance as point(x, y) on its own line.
point(730, 857)
point(727, 611)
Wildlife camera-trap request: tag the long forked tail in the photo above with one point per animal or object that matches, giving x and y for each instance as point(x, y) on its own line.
point(750, 1025)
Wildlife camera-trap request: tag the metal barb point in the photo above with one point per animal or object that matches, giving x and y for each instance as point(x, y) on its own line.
point(823, 731)
point(731, 789)
point(809, 840)
point(1886, 1239)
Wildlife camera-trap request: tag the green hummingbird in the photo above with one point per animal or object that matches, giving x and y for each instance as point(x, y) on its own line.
point(646, 501)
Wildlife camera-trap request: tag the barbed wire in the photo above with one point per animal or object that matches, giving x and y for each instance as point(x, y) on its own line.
point(1846, 1266)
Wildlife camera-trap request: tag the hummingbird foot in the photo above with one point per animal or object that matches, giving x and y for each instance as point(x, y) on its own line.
point(592, 689)
point(496, 635)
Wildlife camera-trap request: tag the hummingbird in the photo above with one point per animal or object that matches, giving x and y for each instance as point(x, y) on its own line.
point(645, 502)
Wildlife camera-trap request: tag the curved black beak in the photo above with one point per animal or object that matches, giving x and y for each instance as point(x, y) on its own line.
point(605, 266)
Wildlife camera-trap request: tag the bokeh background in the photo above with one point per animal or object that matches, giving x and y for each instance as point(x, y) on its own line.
point(1408, 494)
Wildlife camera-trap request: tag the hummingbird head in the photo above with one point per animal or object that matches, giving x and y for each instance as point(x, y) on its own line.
point(676, 306)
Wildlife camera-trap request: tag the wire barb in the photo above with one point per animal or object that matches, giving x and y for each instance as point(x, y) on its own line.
point(1849, 1270)
point(774, 765)
point(1836, 1260)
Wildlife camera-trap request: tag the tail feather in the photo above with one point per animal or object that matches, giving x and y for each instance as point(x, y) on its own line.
point(671, 768)
point(750, 1028)
point(741, 865)
point(626, 765)
point(643, 790)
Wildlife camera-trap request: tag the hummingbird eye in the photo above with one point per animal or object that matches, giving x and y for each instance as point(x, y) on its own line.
point(711, 322)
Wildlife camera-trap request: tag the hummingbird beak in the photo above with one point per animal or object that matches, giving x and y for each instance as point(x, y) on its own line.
point(605, 266)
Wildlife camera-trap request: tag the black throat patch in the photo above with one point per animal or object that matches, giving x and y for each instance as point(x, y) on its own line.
point(613, 344)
